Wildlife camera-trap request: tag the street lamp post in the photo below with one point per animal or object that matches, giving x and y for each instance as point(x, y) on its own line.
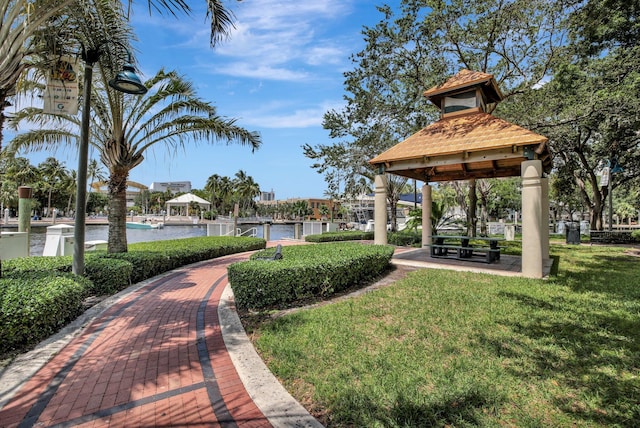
point(126, 81)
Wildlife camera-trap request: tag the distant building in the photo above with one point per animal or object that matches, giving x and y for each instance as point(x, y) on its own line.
point(133, 190)
point(267, 196)
point(173, 186)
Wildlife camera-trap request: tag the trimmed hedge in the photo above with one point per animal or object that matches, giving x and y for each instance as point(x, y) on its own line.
point(351, 235)
point(39, 295)
point(37, 304)
point(405, 238)
point(305, 272)
point(107, 275)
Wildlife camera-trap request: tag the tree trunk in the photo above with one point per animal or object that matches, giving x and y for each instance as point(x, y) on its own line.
point(596, 209)
point(483, 216)
point(49, 200)
point(393, 205)
point(472, 220)
point(117, 240)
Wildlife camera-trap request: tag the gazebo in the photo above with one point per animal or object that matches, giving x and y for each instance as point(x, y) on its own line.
point(469, 143)
point(185, 200)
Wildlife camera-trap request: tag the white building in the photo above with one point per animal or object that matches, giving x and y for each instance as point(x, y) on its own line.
point(173, 186)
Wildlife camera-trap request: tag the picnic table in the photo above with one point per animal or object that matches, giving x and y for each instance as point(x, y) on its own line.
point(459, 247)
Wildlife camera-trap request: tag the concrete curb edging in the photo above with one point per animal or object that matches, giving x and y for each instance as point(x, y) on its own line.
point(265, 390)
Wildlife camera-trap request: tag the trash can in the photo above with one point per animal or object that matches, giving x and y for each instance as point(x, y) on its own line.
point(572, 231)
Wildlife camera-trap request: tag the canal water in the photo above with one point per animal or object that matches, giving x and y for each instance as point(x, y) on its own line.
point(100, 232)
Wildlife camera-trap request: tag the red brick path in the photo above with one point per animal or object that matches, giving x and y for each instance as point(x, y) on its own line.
point(155, 358)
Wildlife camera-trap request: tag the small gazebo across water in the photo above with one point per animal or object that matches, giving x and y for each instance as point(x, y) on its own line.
point(469, 143)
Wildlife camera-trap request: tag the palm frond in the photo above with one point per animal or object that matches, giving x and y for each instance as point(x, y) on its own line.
point(221, 21)
point(40, 139)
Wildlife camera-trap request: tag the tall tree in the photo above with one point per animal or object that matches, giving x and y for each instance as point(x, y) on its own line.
point(212, 186)
point(589, 107)
point(247, 189)
point(52, 174)
point(429, 41)
point(20, 20)
point(96, 173)
point(124, 128)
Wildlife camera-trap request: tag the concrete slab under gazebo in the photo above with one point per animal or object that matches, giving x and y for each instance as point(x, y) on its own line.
point(469, 143)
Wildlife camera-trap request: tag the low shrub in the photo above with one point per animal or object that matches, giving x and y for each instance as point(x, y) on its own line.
point(351, 235)
point(635, 235)
point(36, 304)
point(305, 272)
point(405, 238)
point(107, 275)
point(145, 264)
point(40, 264)
point(153, 258)
point(38, 295)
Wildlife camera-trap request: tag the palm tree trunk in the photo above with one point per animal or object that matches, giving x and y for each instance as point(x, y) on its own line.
point(49, 200)
point(117, 241)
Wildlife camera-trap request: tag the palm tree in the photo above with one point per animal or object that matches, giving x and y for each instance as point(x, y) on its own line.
point(52, 173)
point(95, 173)
point(124, 128)
point(396, 186)
point(19, 170)
point(246, 189)
point(69, 186)
point(226, 194)
point(20, 20)
point(212, 185)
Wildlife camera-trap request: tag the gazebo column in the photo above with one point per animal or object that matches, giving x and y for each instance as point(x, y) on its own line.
point(532, 219)
point(426, 215)
point(380, 210)
point(544, 181)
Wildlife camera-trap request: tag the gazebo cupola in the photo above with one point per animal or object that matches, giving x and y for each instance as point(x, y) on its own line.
point(466, 92)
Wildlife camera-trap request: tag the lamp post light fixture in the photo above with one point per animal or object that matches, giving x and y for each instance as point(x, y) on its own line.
point(126, 81)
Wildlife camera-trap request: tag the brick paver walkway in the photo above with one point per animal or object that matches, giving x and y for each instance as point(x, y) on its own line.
point(154, 358)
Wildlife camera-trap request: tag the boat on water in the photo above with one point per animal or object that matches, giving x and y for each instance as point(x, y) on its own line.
point(141, 225)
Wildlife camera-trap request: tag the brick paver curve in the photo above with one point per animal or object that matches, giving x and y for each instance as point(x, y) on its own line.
point(155, 358)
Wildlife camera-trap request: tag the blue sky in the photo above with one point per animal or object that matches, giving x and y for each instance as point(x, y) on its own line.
point(280, 71)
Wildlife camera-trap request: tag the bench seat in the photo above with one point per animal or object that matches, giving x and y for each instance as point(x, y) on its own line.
point(481, 254)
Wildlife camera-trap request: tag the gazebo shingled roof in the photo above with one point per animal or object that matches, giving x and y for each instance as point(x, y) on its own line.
point(465, 145)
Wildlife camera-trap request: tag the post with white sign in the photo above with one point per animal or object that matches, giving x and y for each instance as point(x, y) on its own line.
point(61, 93)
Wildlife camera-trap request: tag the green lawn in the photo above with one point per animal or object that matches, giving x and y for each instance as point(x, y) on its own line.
point(443, 348)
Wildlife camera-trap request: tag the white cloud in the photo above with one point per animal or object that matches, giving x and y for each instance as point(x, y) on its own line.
point(281, 114)
point(272, 39)
point(285, 40)
point(258, 71)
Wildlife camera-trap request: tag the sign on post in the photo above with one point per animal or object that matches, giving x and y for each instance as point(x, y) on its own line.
point(61, 93)
point(604, 180)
